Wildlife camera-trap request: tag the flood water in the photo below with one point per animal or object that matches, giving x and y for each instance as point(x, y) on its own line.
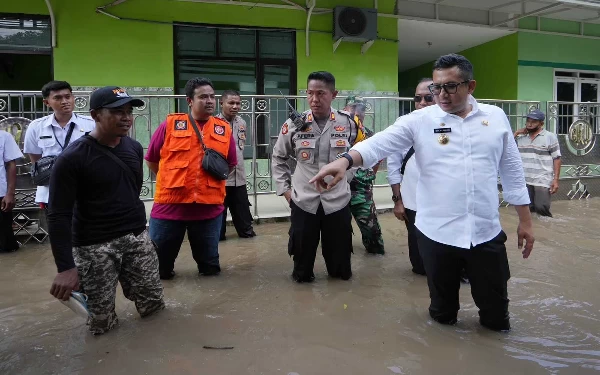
point(377, 323)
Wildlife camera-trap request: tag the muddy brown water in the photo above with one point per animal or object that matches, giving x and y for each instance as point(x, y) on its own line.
point(377, 323)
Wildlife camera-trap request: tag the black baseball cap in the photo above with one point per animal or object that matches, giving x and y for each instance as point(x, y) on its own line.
point(536, 115)
point(112, 97)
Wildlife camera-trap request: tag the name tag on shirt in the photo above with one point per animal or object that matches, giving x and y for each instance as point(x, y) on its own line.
point(45, 136)
point(442, 130)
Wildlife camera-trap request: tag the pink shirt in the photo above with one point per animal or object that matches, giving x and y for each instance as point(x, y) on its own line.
point(183, 211)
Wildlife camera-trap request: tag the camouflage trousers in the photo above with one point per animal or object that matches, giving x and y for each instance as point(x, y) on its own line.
point(130, 260)
point(364, 211)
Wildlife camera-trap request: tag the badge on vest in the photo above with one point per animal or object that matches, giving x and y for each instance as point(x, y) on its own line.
point(220, 130)
point(340, 143)
point(181, 125)
point(442, 130)
point(340, 128)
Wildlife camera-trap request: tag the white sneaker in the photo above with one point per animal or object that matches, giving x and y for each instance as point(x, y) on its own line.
point(78, 303)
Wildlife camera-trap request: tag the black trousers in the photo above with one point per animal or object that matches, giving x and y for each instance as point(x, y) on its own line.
point(8, 241)
point(413, 246)
point(487, 268)
point(540, 198)
point(334, 231)
point(236, 199)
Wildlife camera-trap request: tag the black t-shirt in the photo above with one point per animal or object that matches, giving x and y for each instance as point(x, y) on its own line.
point(92, 199)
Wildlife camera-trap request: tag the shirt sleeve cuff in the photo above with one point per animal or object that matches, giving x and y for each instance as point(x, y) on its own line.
point(518, 197)
point(395, 178)
point(369, 159)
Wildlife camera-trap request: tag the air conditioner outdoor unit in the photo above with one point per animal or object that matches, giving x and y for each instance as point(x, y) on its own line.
point(354, 24)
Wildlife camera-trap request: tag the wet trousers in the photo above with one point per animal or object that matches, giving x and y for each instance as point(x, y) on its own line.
point(540, 200)
point(236, 199)
point(130, 260)
point(486, 266)
point(334, 231)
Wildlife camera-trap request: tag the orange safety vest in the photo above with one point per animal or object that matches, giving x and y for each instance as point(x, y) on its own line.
point(181, 178)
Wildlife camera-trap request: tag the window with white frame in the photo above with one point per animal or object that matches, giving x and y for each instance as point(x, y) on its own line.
point(574, 88)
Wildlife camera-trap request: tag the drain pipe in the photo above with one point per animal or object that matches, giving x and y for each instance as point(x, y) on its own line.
point(52, 23)
point(310, 4)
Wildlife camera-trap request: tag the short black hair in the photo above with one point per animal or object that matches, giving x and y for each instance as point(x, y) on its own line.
point(323, 76)
point(194, 83)
point(227, 93)
point(55, 86)
point(450, 61)
point(425, 79)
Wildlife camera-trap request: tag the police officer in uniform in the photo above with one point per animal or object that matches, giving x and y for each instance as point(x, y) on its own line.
point(317, 138)
point(236, 197)
point(362, 204)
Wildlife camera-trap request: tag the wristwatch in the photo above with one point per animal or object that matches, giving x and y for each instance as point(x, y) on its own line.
point(348, 157)
point(396, 198)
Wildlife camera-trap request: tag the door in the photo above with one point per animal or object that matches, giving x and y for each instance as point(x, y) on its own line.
point(565, 92)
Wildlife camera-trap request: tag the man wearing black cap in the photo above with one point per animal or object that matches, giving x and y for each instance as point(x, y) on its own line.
point(94, 189)
point(540, 153)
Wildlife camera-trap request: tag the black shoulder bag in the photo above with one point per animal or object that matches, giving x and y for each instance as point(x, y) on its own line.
point(41, 169)
point(212, 162)
point(103, 150)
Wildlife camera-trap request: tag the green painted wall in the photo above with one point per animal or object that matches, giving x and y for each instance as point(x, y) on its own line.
point(540, 54)
point(94, 49)
point(494, 64)
point(559, 26)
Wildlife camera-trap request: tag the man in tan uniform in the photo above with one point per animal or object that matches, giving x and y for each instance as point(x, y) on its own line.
point(314, 140)
point(236, 198)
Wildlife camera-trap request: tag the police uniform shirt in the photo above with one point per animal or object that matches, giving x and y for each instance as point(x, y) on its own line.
point(237, 177)
point(459, 161)
point(41, 139)
point(313, 148)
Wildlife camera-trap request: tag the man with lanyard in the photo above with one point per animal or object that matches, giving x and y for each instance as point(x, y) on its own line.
point(541, 159)
point(315, 139)
point(403, 170)
point(460, 146)
point(50, 135)
point(236, 196)
point(187, 197)
point(97, 222)
point(362, 204)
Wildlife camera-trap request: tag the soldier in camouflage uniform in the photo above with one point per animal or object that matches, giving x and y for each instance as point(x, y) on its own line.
point(97, 222)
point(362, 204)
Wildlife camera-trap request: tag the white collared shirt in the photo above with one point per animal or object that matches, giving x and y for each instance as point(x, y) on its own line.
point(457, 194)
point(408, 180)
point(10, 151)
point(42, 136)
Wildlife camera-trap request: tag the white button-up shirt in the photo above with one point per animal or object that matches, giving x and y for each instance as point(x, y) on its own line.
point(41, 139)
point(457, 194)
point(10, 151)
point(409, 179)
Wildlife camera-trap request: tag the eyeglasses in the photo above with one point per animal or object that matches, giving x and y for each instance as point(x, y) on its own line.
point(450, 88)
point(428, 98)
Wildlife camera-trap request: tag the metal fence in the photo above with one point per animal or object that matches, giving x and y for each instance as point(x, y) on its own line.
point(263, 114)
point(578, 128)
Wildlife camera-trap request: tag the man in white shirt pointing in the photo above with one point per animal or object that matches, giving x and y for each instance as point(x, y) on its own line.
point(460, 146)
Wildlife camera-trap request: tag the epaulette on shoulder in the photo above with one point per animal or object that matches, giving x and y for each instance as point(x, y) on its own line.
point(220, 120)
point(88, 118)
